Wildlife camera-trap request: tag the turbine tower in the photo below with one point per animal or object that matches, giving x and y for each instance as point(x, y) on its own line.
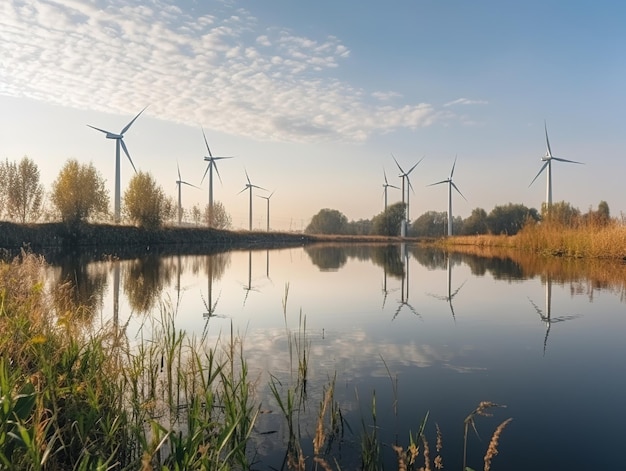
point(548, 158)
point(450, 186)
point(268, 208)
point(405, 175)
point(212, 164)
point(249, 186)
point(180, 183)
point(385, 186)
point(119, 142)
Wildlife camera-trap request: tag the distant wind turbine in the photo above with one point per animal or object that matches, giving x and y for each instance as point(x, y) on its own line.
point(385, 186)
point(119, 141)
point(405, 175)
point(180, 183)
point(548, 158)
point(212, 164)
point(249, 186)
point(450, 186)
point(268, 208)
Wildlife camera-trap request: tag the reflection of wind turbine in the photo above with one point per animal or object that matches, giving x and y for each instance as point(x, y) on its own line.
point(450, 186)
point(449, 294)
point(546, 316)
point(249, 186)
point(405, 175)
point(209, 305)
point(385, 186)
point(404, 291)
point(212, 163)
point(268, 208)
point(119, 142)
point(548, 158)
point(116, 293)
point(180, 183)
point(249, 287)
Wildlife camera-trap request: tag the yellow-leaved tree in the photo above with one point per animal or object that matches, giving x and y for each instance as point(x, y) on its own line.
point(145, 203)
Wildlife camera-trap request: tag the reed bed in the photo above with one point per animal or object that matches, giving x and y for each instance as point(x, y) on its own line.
point(75, 398)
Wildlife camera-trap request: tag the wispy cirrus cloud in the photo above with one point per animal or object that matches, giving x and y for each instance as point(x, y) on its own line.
point(221, 69)
point(466, 101)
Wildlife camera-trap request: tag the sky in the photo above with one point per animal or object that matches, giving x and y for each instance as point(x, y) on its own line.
point(312, 99)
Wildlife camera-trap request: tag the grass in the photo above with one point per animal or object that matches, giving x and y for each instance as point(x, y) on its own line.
point(590, 241)
point(72, 398)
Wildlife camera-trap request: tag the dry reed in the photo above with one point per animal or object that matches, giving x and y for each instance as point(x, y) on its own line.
point(492, 450)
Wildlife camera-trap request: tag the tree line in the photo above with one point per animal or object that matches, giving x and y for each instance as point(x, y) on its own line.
point(79, 195)
point(506, 219)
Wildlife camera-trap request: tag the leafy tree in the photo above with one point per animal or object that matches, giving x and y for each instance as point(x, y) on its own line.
point(218, 218)
point(430, 224)
point(510, 218)
point(560, 213)
point(78, 193)
point(388, 222)
point(476, 223)
point(360, 227)
point(328, 221)
point(196, 214)
point(23, 192)
point(144, 201)
point(3, 184)
point(601, 217)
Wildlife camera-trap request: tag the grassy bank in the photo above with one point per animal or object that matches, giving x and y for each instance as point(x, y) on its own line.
point(77, 398)
point(608, 242)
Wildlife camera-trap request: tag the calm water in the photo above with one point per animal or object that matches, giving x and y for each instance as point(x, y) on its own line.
point(438, 333)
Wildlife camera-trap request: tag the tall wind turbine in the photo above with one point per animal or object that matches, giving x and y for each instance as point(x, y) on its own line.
point(548, 158)
point(268, 208)
point(119, 142)
point(180, 183)
point(405, 175)
point(212, 164)
point(385, 186)
point(249, 186)
point(450, 186)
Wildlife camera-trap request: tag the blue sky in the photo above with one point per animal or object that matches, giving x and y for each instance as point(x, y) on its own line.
point(312, 98)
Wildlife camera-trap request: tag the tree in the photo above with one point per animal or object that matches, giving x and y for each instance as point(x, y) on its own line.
point(196, 214)
point(144, 201)
point(601, 217)
point(218, 218)
point(388, 222)
point(23, 192)
point(78, 193)
point(510, 218)
point(327, 221)
point(430, 224)
point(3, 184)
point(560, 213)
point(476, 223)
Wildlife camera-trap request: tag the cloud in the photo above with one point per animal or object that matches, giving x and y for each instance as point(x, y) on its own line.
point(222, 70)
point(466, 101)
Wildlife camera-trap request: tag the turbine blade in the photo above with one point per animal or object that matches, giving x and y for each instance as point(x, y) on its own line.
point(394, 186)
point(207, 143)
point(98, 129)
point(409, 182)
point(453, 165)
point(216, 170)
point(178, 168)
point(439, 183)
point(271, 194)
point(131, 123)
point(247, 177)
point(205, 172)
point(394, 159)
point(243, 190)
point(458, 191)
point(569, 161)
point(547, 140)
point(127, 154)
point(385, 175)
point(259, 187)
point(542, 168)
point(190, 184)
point(415, 165)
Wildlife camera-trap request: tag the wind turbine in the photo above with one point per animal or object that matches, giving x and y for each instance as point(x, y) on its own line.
point(212, 163)
point(450, 186)
point(180, 183)
point(405, 175)
point(548, 158)
point(249, 186)
point(119, 142)
point(268, 208)
point(385, 186)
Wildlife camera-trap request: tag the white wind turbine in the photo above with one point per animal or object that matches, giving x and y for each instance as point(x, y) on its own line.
point(212, 164)
point(119, 142)
point(548, 158)
point(180, 183)
point(268, 208)
point(450, 186)
point(385, 186)
point(405, 175)
point(249, 186)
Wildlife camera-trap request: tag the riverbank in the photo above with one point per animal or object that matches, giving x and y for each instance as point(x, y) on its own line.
point(592, 242)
